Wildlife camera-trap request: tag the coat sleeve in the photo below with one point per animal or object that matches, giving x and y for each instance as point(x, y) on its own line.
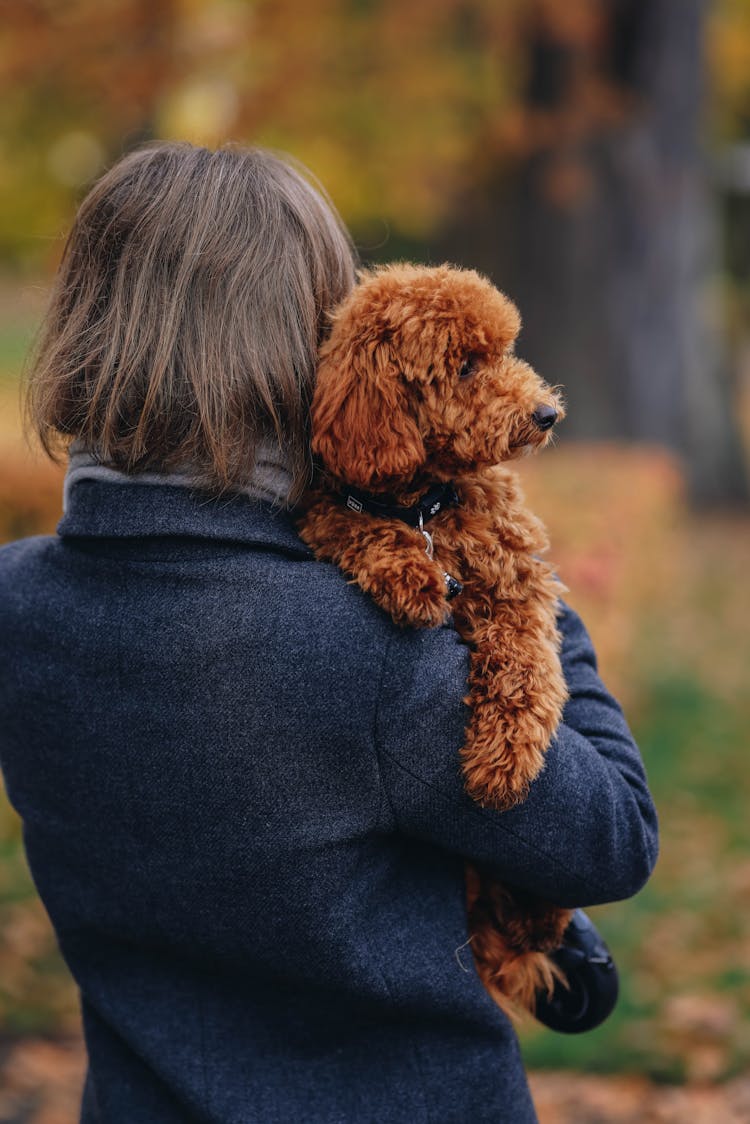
point(587, 832)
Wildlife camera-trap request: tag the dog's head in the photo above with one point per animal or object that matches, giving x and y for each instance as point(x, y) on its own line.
point(418, 380)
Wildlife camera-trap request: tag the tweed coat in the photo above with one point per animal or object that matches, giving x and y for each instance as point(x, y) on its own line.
point(243, 810)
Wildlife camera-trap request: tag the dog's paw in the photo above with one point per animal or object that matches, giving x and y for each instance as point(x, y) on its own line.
point(413, 593)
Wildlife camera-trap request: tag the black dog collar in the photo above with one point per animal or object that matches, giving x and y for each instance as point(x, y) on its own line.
point(436, 499)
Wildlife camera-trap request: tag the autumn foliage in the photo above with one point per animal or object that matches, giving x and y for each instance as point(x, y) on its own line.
point(398, 109)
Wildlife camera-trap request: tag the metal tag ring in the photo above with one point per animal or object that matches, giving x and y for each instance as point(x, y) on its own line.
point(430, 549)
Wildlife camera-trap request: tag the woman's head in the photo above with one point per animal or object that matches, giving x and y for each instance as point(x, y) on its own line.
point(190, 301)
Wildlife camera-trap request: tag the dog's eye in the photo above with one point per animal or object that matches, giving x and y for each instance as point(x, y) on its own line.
point(468, 367)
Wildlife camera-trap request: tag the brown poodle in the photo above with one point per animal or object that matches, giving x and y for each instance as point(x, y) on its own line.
point(419, 401)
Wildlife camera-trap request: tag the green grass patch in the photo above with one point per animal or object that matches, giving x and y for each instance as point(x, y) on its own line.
point(15, 344)
point(685, 994)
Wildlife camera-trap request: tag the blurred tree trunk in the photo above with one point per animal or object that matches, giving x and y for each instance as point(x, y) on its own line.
point(606, 235)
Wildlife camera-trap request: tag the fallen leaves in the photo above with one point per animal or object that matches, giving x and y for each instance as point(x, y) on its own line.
point(41, 1081)
point(613, 514)
point(568, 1098)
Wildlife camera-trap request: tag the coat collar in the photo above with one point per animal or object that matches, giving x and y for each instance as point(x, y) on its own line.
point(101, 509)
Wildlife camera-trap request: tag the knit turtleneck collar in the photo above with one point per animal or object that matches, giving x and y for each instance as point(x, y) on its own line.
point(271, 479)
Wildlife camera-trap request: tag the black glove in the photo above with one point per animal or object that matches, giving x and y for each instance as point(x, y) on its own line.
point(592, 978)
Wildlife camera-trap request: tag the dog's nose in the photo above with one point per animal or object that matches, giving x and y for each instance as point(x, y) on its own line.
point(544, 417)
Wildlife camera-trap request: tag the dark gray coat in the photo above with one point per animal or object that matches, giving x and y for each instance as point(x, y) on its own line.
point(244, 812)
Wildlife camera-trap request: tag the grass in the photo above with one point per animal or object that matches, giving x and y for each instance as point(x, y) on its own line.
point(16, 337)
point(21, 310)
point(685, 990)
point(15, 342)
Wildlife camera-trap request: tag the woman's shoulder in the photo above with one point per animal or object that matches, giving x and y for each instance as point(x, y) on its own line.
point(19, 558)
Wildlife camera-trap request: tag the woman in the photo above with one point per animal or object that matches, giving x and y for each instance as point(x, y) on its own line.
point(239, 780)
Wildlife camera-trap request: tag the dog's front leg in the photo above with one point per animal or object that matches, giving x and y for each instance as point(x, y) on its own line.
point(385, 557)
point(517, 696)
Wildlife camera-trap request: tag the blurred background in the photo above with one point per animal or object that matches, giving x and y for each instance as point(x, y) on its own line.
point(592, 157)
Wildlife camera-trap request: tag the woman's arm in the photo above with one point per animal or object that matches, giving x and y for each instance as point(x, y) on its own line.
point(587, 832)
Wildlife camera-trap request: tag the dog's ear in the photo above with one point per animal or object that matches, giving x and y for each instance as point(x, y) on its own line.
point(362, 429)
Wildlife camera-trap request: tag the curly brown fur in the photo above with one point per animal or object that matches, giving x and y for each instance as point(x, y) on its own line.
point(418, 384)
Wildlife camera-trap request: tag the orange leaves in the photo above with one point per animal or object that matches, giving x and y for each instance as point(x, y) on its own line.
point(729, 59)
point(701, 1027)
point(30, 495)
point(41, 1082)
point(30, 486)
point(612, 514)
point(399, 109)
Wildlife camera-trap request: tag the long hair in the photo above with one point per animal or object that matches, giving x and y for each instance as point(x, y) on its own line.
point(184, 324)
